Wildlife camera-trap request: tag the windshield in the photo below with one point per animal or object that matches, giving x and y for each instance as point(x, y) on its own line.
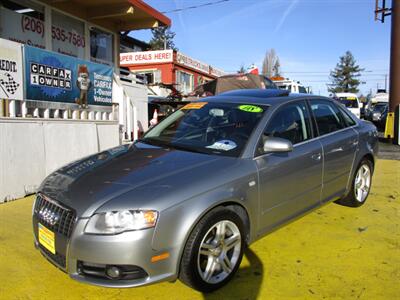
point(350, 103)
point(380, 108)
point(206, 127)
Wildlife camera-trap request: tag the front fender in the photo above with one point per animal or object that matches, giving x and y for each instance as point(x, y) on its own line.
point(176, 223)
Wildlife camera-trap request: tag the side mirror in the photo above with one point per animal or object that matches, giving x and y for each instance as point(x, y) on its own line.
point(275, 145)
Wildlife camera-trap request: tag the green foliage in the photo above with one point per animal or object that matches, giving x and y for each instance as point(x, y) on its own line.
point(161, 36)
point(345, 75)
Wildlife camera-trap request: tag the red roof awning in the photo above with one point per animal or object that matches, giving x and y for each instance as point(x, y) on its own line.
point(115, 15)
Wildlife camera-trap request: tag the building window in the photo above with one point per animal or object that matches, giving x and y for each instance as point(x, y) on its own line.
point(68, 35)
point(184, 82)
point(22, 21)
point(101, 46)
point(151, 76)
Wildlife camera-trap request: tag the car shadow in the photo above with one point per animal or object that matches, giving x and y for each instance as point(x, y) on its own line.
point(245, 284)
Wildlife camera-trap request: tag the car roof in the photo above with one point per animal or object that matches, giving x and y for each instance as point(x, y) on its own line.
point(269, 97)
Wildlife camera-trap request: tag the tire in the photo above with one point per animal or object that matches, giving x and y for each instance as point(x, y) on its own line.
point(217, 262)
point(360, 186)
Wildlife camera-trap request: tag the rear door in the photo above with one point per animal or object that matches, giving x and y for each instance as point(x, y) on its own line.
point(289, 183)
point(339, 142)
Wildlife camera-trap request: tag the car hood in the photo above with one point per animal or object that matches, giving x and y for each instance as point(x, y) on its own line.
point(144, 172)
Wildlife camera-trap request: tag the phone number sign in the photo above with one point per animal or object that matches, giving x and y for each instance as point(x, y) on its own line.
point(31, 31)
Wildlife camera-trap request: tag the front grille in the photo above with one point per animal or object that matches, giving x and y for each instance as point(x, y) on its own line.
point(66, 216)
point(57, 258)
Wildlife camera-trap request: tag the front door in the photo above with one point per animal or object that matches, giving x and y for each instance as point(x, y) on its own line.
point(289, 183)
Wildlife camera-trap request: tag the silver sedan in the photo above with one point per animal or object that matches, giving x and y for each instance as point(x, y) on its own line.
point(210, 179)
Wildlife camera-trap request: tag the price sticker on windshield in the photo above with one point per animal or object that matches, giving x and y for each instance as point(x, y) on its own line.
point(194, 105)
point(251, 108)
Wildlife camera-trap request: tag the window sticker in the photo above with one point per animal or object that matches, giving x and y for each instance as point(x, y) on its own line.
point(194, 105)
point(224, 145)
point(251, 108)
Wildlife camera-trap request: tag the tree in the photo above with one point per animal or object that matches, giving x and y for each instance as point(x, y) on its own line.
point(345, 75)
point(277, 68)
point(271, 65)
point(162, 37)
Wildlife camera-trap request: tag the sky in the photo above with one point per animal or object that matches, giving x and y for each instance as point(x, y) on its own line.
point(308, 36)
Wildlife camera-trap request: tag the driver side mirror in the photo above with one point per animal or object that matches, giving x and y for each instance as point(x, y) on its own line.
point(276, 145)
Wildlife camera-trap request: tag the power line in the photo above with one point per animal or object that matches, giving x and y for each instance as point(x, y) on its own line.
point(194, 6)
point(327, 72)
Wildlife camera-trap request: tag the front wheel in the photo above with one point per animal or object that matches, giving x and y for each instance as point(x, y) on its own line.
point(361, 185)
point(213, 251)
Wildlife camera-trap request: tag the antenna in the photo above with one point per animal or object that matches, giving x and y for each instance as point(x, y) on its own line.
point(381, 11)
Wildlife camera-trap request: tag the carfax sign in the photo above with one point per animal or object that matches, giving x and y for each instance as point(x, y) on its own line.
point(60, 78)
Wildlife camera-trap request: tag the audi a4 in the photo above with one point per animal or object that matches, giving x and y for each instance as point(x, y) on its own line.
point(184, 201)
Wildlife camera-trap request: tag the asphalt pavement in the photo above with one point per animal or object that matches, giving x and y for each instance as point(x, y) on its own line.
point(335, 252)
point(387, 150)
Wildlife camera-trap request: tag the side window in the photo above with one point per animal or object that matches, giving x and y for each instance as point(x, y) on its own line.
point(291, 122)
point(347, 119)
point(327, 116)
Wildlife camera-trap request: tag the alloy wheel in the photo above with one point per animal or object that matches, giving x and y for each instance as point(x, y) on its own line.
point(219, 251)
point(362, 183)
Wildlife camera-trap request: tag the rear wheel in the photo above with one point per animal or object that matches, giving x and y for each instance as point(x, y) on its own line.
point(214, 250)
point(361, 185)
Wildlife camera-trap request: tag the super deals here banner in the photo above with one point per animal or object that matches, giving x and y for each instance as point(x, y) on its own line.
point(60, 78)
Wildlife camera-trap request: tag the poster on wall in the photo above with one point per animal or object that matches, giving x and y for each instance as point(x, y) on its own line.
point(11, 73)
point(60, 78)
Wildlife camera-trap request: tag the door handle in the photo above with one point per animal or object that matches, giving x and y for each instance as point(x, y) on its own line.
point(316, 156)
point(339, 149)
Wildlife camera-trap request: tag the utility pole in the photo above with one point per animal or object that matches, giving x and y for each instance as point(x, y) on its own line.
point(394, 79)
point(394, 85)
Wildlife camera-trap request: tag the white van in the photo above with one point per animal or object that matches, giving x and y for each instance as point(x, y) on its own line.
point(290, 85)
point(351, 101)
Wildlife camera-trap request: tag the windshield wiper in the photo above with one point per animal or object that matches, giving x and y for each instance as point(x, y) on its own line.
point(154, 142)
point(190, 149)
point(158, 143)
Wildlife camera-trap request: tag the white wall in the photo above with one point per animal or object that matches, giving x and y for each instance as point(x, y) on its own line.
point(31, 149)
point(138, 96)
point(132, 100)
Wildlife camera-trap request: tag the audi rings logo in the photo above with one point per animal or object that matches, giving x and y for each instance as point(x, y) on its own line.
point(49, 216)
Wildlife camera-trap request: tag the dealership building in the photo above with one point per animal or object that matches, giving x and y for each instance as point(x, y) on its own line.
point(62, 95)
point(169, 67)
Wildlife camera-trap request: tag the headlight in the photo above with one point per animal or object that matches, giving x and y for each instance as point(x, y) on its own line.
point(120, 221)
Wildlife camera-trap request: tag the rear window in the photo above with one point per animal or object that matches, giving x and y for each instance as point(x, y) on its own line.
point(349, 103)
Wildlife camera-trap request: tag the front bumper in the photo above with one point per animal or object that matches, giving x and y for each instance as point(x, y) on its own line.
point(129, 248)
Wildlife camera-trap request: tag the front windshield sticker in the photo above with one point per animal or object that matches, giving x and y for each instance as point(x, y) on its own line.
point(194, 105)
point(251, 108)
point(224, 145)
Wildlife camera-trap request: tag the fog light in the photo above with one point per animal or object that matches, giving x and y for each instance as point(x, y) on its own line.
point(113, 272)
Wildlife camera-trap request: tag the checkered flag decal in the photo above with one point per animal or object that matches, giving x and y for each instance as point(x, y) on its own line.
point(11, 86)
